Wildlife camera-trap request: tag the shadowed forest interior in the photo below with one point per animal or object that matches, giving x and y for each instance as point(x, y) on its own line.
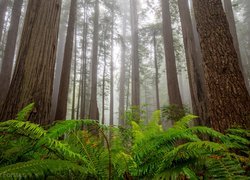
point(124, 89)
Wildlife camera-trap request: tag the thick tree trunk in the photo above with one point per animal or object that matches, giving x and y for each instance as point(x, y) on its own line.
point(197, 87)
point(33, 77)
point(156, 72)
point(172, 80)
point(228, 99)
point(135, 59)
point(230, 17)
point(9, 53)
point(3, 9)
point(122, 73)
point(61, 110)
point(93, 109)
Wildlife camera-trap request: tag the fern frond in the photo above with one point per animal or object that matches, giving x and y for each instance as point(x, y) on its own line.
point(183, 123)
point(25, 112)
point(40, 169)
point(67, 126)
point(205, 131)
point(224, 168)
point(33, 131)
point(189, 151)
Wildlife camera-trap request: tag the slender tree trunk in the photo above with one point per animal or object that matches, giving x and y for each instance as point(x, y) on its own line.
point(135, 59)
point(33, 77)
point(172, 80)
point(128, 87)
point(74, 79)
point(9, 53)
point(61, 110)
point(111, 105)
point(197, 87)
point(230, 17)
point(58, 69)
point(156, 72)
point(228, 99)
point(122, 73)
point(104, 80)
point(3, 9)
point(93, 109)
point(84, 66)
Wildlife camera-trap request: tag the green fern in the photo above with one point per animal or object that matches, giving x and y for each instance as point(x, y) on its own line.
point(40, 169)
point(25, 112)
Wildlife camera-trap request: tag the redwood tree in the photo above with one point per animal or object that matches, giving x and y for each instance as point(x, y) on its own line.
point(135, 59)
point(196, 83)
point(9, 53)
point(3, 8)
point(65, 75)
point(172, 80)
point(93, 109)
point(33, 76)
point(228, 99)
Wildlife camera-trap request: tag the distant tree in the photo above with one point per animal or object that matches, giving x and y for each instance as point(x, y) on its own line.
point(93, 109)
point(61, 110)
point(9, 53)
point(228, 99)
point(3, 9)
point(172, 80)
point(111, 104)
point(122, 71)
point(84, 78)
point(135, 58)
point(33, 76)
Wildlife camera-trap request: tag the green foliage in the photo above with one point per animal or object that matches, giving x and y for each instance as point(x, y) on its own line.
point(65, 150)
point(174, 112)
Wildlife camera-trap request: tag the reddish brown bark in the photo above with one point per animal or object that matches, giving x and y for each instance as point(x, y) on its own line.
point(9, 53)
point(197, 86)
point(33, 77)
point(61, 110)
point(172, 80)
point(93, 109)
point(228, 99)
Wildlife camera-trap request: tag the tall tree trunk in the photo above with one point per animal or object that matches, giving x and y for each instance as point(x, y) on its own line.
point(111, 105)
point(84, 65)
point(104, 81)
point(197, 87)
point(74, 79)
point(93, 109)
point(228, 99)
point(156, 72)
point(61, 110)
point(9, 53)
point(135, 59)
point(230, 17)
point(33, 77)
point(3, 9)
point(58, 69)
point(122, 73)
point(172, 80)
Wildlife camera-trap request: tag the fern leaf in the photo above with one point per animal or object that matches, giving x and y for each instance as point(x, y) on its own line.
point(67, 126)
point(39, 169)
point(183, 122)
point(25, 112)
